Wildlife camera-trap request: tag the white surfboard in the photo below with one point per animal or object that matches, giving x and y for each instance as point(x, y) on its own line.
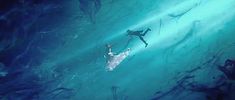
point(116, 60)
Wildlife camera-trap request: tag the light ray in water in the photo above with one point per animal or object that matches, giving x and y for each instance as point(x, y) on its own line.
point(172, 29)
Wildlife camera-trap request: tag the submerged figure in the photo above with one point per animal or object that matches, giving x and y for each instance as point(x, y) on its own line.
point(113, 59)
point(140, 34)
point(228, 69)
point(108, 54)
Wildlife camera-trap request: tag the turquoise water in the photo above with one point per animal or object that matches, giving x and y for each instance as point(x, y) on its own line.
point(55, 50)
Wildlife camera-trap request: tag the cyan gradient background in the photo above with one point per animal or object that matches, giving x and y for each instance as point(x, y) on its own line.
point(54, 49)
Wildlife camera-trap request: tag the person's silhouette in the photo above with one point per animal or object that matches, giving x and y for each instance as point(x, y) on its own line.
point(140, 34)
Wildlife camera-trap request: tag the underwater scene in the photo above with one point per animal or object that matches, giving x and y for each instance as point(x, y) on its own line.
point(117, 49)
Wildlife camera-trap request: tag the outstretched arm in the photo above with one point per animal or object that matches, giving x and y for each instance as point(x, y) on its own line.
point(108, 46)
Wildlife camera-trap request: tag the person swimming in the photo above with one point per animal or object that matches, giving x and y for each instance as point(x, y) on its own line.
point(108, 54)
point(113, 59)
point(140, 34)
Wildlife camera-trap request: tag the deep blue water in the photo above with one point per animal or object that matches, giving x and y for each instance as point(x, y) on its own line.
point(56, 50)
